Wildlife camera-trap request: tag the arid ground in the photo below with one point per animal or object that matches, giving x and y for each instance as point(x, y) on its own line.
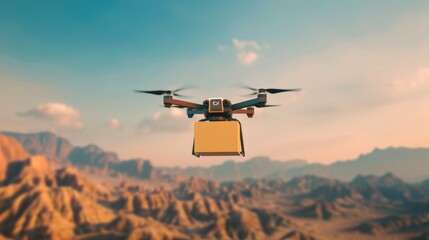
point(85, 193)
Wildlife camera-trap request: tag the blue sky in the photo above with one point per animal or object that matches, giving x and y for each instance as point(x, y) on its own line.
point(69, 67)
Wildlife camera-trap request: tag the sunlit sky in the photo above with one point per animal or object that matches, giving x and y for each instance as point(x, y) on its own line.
point(70, 66)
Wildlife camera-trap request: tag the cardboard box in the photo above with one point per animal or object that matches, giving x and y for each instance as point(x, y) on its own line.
point(220, 138)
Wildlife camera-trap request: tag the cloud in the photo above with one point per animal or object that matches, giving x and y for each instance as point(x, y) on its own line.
point(243, 44)
point(58, 113)
point(114, 124)
point(419, 79)
point(173, 121)
point(247, 51)
point(247, 57)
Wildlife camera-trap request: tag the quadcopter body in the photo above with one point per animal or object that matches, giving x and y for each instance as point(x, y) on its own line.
point(218, 115)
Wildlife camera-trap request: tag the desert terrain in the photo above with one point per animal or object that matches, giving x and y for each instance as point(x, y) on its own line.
point(51, 189)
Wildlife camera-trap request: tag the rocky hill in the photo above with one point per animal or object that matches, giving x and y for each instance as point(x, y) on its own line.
point(93, 156)
point(90, 157)
point(10, 150)
point(44, 143)
point(38, 201)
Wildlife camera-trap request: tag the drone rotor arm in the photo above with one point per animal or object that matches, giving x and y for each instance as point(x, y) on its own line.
point(259, 101)
point(181, 103)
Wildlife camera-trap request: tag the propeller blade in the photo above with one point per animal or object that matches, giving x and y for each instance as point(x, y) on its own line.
point(180, 95)
point(276, 90)
point(265, 90)
point(186, 87)
point(155, 92)
point(269, 106)
point(174, 92)
point(242, 85)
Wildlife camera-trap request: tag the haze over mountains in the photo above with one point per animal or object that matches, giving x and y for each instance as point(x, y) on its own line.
point(411, 164)
point(40, 201)
point(60, 151)
point(407, 163)
point(259, 167)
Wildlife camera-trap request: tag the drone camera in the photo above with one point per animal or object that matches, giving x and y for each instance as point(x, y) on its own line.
point(216, 105)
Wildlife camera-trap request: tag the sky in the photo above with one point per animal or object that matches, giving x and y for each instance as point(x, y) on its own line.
point(70, 67)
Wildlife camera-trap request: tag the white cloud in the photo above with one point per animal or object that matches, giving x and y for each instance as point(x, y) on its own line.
point(243, 44)
point(247, 57)
point(173, 121)
point(247, 50)
point(58, 113)
point(114, 124)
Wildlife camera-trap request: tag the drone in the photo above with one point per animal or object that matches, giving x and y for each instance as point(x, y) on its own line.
point(218, 133)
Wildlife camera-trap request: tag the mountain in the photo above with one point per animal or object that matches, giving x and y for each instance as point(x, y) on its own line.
point(407, 163)
point(393, 223)
point(60, 150)
point(92, 156)
point(44, 143)
point(10, 150)
point(388, 186)
point(137, 168)
point(38, 201)
point(256, 168)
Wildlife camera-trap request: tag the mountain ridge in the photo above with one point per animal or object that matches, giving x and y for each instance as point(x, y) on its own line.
point(45, 143)
point(407, 163)
point(59, 150)
point(257, 167)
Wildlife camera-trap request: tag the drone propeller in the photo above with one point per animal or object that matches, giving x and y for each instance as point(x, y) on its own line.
point(264, 106)
point(168, 92)
point(267, 90)
point(155, 92)
point(276, 90)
